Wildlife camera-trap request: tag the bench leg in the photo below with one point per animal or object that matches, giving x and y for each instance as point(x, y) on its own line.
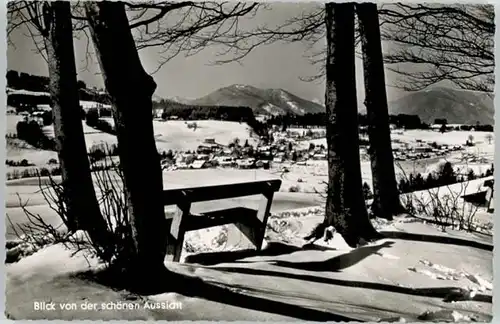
point(250, 231)
point(262, 216)
point(254, 229)
point(491, 204)
point(177, 231)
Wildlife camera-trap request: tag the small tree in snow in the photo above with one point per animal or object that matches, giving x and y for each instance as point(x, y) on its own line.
point(447, 174)
point(367, 192)
point(471, 175)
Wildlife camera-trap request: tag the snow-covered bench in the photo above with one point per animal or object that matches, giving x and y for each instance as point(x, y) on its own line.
point(483, 193)
point(251, 222)
point(490, 184)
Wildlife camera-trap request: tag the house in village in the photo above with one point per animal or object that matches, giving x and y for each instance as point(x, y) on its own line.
point(204, 149)
point(103, 110)
point(43, 108)
point(209, 141)
point(226, 152)
point(245, 163)
point(27, 99)
point(279, 157)
point(319, 156)
point(225, 161)
point(199, 164)
point(209, 146)
point(157, 113)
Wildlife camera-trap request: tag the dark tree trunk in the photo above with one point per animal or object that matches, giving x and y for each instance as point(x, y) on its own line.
point(131, 89)
point(345, 204)
point(83, 210)
point(386, 201)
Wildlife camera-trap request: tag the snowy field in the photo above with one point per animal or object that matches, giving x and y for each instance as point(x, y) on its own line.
point(170, 135)
point(397, 277)
point(305, 130)
point(175, 135)
point(17, 150)
point(28, 190)
point(11, 122)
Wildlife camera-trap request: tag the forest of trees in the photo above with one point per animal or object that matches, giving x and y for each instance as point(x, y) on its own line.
point(20, 80)
point(225, 113)
point(228, 113)
point(92, 119)
point(32, 133)
point(25, 81)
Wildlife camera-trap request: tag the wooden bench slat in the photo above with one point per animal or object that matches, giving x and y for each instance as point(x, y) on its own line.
point(252, 223)
point(220, 191)
point(221, 217)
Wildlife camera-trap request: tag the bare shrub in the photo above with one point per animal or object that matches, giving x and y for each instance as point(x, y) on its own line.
point(36, 233)
point(108, 180)
point(294, 189)
point(443, 206)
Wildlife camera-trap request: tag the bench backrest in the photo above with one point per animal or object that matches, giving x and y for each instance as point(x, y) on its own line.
point(219, 191)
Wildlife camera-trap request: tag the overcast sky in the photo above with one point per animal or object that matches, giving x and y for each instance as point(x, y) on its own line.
point(273, 66)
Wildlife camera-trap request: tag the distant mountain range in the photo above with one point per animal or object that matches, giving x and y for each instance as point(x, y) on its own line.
point(456, 106)
point(262, 101)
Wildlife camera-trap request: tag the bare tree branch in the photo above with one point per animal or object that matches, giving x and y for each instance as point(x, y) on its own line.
point(435, 43)
point(424, 43)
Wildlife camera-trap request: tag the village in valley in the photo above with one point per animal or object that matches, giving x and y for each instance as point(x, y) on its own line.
point(281, 148)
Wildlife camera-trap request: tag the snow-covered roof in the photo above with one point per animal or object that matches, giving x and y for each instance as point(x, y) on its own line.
point(11, 91)
point(93, 104)
point(198, 164)
point(44, 107)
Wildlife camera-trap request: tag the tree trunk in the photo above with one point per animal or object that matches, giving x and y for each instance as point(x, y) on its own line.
point(386, 201)
point(83, 210)
point(345, 205)
point(131, 89)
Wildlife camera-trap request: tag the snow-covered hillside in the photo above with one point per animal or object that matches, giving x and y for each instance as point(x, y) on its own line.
point(170, 135)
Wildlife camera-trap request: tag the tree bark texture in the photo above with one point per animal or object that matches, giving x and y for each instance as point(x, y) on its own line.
point(345, 205)
point(130, 89)
point(386, 201)
point(83, 211)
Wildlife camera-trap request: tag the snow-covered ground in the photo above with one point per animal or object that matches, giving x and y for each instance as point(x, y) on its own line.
point(11, 123)
point(17, 150)
point(28, 191)
point(400, 276)
point(92, 135)
point(175, 135)
point(404, 275)
point(413, 137)
point(311, 177)
point(170, 135)
point(477, 158)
